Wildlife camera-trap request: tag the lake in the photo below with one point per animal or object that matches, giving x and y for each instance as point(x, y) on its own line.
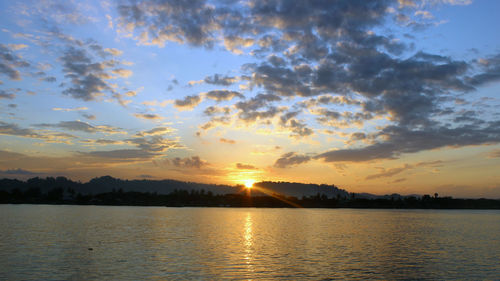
point(45, 242)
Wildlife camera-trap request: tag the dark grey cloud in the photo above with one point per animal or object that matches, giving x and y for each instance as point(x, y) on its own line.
point(214, 110)
point(297, 128)
point(12, 129)
point(389, 172)
point(490, 71)
point(86, 76)
point(87, 66)
point(188, 103)
point(50, 79)
point(357, 136)
point(254, 115)
point(15, 130)
point(121, 154)
point(220, 80)
point(82, 127)
point(148, 116)
point(101, 142)
point(89, 116)
point(155, 144)
point(291, 159)
point(400, 140)
point(193, 162)
point(223, 95)
point(257, 102)
point(9, 62)
point(6, 95)
point(242, 166)
point(180, 21)
point(249, 109)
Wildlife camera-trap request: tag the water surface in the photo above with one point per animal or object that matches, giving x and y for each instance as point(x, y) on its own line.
point(137, 243)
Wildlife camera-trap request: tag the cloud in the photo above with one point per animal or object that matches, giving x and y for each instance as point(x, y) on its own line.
point(15, 130)
point(188, 103)
point(70, 109)
point(400, 140)
point(5, 95)
point(157, 103)
point(10, 156)
point(11, 129)
point(17, 172)
point(16, 47)
point(148, 116)
point(215, 122)
point(291, 159)
point(124, 73)
point(121, 154)
point(158, 131)
point(101, 142)
point(228, 141)
point(436, 163)
point(59, 13)
point(83, 127)
point(87, 77)
point(213, 110)
point(113, 51)
point(193, 162)
point(223, 95)
point(220, 80)
point(9, 62)
point(399, 180)
point(89, 116)
point(155, 143)
point(389, 173)
point(494, 153)
point(297, 128)
point(175, 21)
point(242, 166)
point(249, 110)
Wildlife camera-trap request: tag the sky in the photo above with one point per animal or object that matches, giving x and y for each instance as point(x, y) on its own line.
point(379, 96)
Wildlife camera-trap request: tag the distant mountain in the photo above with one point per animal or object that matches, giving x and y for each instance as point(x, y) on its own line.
point(300, 189)
point(116, 192)
point(394, 196)
point(108, 184)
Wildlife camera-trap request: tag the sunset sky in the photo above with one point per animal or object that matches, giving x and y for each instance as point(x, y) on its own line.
point(373, 96)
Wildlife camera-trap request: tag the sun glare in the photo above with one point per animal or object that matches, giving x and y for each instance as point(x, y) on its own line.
point(248, 183)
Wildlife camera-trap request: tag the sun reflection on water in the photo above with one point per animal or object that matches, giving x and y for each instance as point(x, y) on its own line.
point(248, 236)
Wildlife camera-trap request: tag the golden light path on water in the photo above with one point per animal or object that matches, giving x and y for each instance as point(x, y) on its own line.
point(248, 235)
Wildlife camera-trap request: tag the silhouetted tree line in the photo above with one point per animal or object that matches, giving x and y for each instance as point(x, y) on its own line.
point(64, 191)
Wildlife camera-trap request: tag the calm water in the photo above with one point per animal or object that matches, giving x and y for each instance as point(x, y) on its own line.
point(137, 243)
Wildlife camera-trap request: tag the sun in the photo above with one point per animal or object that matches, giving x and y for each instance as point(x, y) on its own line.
point(248, 183)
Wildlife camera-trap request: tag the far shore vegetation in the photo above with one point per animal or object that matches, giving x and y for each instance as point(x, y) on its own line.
point(111, 191)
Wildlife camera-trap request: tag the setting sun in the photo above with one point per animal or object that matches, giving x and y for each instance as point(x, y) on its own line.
point(248, 183)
